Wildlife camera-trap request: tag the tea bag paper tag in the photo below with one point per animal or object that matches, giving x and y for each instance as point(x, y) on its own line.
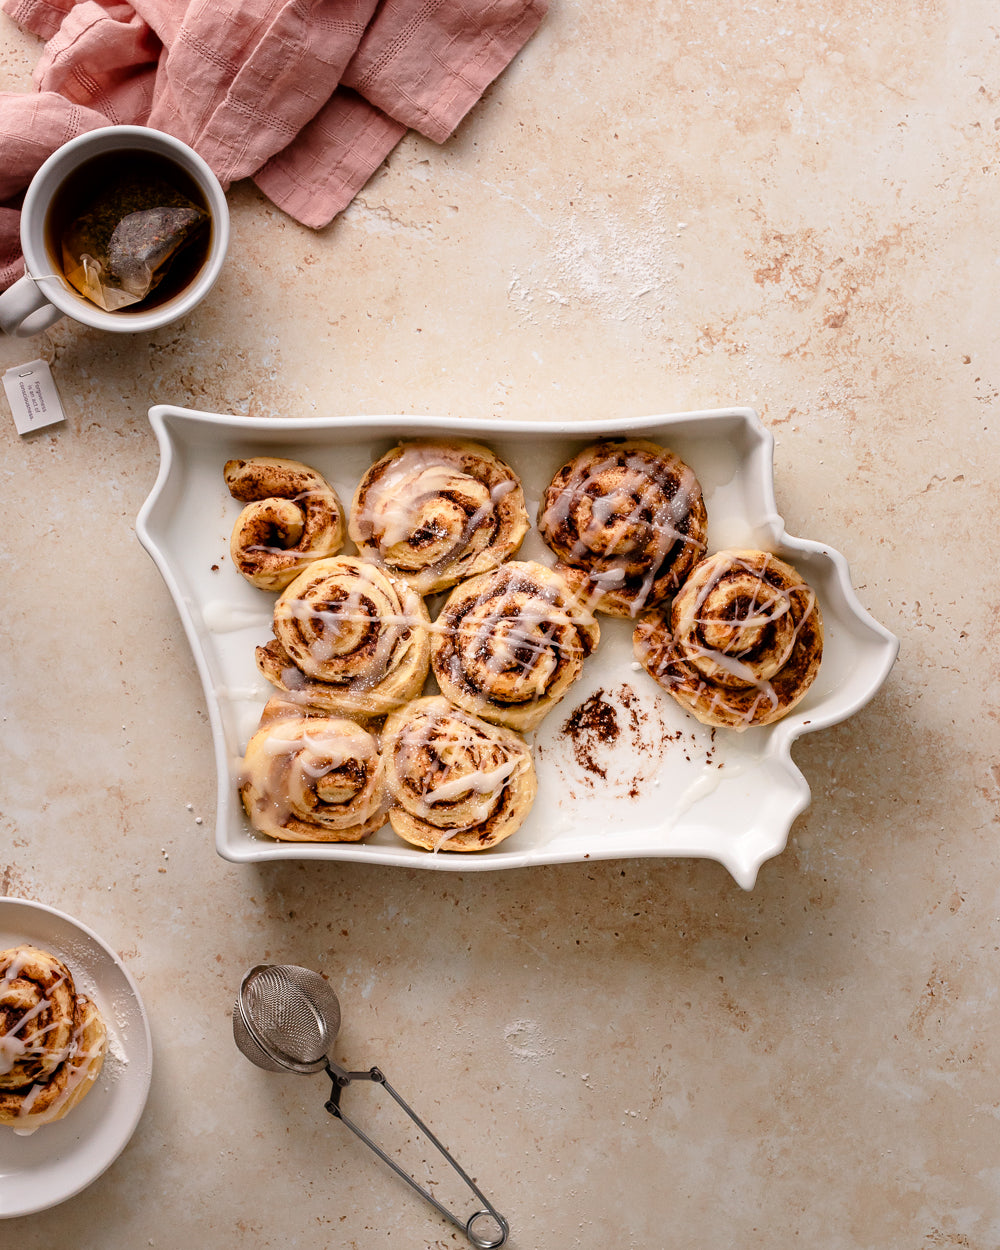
point(32, 395)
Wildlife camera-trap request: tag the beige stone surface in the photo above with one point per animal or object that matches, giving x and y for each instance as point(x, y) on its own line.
point(658, 207)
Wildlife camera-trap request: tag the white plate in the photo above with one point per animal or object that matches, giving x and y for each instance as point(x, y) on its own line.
point(58, 1160)
point(670, 786)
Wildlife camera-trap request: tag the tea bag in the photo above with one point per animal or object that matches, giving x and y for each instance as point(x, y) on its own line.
point(122, 246)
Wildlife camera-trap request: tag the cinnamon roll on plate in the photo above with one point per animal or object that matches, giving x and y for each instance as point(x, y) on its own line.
point(741, 643)
point(509, 644)
point(457, 783)
point(435, 511)
point(627, 521)
point(292, 517)
point(52, 1039)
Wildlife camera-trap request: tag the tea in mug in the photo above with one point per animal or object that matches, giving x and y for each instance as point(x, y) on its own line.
point(129, 228)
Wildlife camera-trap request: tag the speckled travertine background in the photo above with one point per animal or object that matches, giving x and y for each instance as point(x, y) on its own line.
point(658, 207)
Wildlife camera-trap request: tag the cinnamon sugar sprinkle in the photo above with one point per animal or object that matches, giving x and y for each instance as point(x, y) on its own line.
point(593, 722)
point(608, 718)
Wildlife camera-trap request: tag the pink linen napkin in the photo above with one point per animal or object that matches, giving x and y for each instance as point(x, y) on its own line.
point(307, 97)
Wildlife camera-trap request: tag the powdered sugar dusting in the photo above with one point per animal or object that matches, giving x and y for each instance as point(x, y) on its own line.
point(622, 269)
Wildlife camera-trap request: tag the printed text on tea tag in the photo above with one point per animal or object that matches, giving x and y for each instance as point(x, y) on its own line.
point(31, 392)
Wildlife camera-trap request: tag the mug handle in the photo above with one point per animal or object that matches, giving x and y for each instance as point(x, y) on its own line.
point(24, 310)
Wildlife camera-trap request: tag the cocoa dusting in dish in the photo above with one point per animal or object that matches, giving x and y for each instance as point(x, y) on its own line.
point(613, 729)
point(593, 723)
point(630, 702)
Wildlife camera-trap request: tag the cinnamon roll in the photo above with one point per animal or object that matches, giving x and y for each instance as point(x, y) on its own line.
point(508, 645)
point(741, 643)
point(292, 516)
point(349, 640)
point(626, 521)
point(312, 778)
point(457, 783)
point(436, 511)
point(52, 1039)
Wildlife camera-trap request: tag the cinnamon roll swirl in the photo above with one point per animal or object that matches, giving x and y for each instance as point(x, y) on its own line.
point(741, 643)
point(436, 511)
point(349, 640)
point(312, 778)
point(292, 516)
point(508, 645)
point(627, 523)
point(52, 1039)
point(457, 783)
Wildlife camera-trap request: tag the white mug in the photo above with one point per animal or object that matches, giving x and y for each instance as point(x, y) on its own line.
point(44, 295)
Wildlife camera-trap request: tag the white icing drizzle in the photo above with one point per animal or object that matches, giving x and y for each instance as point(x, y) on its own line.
point(476, 788)
point(756, 617)
point(71, 1064)
point(705, 783)
point(221, 617)
point(401, 492)
point(479, 781)
point(420, 485)
point(617, 510)
point(290, 783)
point(13, 1047)
point(76, 1065)
point(332, 635)
point(743, 673)
point(333, 749)
point(521, 634)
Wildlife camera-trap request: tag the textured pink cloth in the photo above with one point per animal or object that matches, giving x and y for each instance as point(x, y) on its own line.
point(307, 97)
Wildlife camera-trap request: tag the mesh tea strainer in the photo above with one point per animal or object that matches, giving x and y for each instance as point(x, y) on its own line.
point(285, 1020)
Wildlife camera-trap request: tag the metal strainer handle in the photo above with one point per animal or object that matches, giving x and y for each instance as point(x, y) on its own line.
point(341, 1079)
point(285, 1019)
